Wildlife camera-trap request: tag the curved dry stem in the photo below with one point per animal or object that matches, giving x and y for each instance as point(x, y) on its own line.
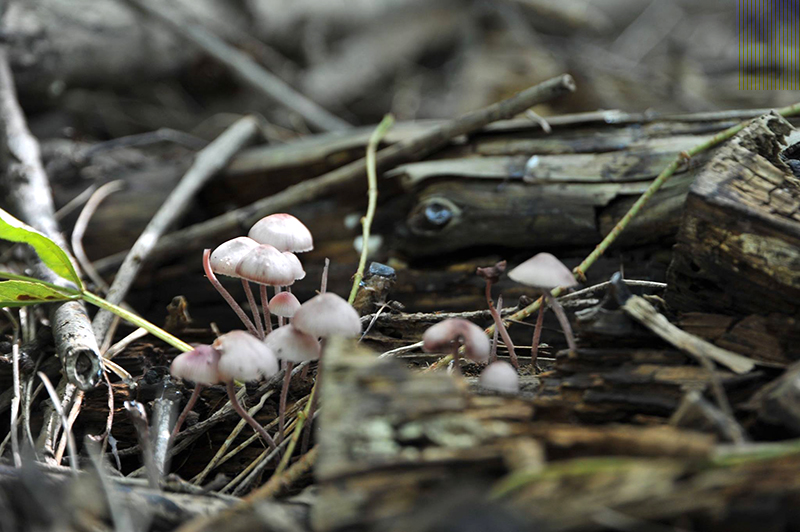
point(253, 308)
point(226, 295)
point(192, 400)
point(562, 319)
point(247, 417)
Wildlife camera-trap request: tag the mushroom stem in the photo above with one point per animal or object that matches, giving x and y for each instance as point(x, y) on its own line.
point(265, 308)
point(562, 319)
point(192, 400)
point(537, 335)
point(323, 287)
point(281, 319)
point(493, 353)
point(253, 308)
point(284, 395)
point(225, 294)
point(498, 322)
point(247, 417)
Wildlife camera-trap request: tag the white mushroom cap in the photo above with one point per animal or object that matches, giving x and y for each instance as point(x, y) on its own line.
point(266, 265)
point(244, 357)
point(500, 376)
point(227, 255)
point(444, 335)
point(543, 271)
point(327, 315)
point(284, 304)
point(299, 272)
point(283, 231)
point(290, 344)
point(200, 365)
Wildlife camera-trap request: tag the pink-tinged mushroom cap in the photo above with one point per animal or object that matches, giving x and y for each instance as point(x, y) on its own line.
point(500, 376)
point(290, 344)
point(226, 257)
point(299, 272)
point(244, 357)
point(283, 231)
point(445, 335)
point(266, 265)
point(543, 271)
point(284, 304)
point(327, 315)
point(200, 365)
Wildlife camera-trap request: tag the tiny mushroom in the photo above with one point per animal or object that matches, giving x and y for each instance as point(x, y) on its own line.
point(284, 305)
point(326, 315)
point(545, 272)
point(450, 334)
point(283, 231)
point(201, 366)
point(245, 358)
point(501, 377)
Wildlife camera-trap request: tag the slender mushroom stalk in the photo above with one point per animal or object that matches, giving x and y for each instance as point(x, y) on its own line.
point(545, 272)
point(496, 333)
point(291, 346)
point(254, 308)
point(226, 295)
point(537, 335)
point(245, 358)
point(200, 365)
point(492, 275)
point(450, 334)
point(562, 319)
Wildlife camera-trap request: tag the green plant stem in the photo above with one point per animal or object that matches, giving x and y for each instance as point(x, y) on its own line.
point(155, 330)
point(298, 430)
point(372, 192)
point(659, 181)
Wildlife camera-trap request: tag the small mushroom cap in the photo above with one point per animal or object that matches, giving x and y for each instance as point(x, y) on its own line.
point(500, 376)
point(290, 344)
point(200, 365)
point(283, 231)
point(446, 334)
point(266, 265)
point(244, 357)
point(284, 304)
point(543, 271)
point(299, 272)
point(327, 315)
point(227, 255)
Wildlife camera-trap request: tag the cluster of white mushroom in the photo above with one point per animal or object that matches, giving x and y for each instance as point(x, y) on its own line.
point(543, 272)
point(265, 257)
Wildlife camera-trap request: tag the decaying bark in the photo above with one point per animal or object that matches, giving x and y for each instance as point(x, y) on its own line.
point(738, 244)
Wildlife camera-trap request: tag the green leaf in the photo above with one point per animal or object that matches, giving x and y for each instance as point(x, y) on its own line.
point(20, 293)
point(49, 252)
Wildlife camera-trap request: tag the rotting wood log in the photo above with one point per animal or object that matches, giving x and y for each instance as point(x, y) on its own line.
point(738, 245)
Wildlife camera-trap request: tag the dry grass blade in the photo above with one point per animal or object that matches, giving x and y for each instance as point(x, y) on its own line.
point(73, 455)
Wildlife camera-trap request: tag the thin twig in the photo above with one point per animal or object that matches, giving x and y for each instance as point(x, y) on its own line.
point(245, 69)
point(206, 164)
point(15, 405)
point(349, 175)
point(73, 455)
point(372, 194)
point(82, 223)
